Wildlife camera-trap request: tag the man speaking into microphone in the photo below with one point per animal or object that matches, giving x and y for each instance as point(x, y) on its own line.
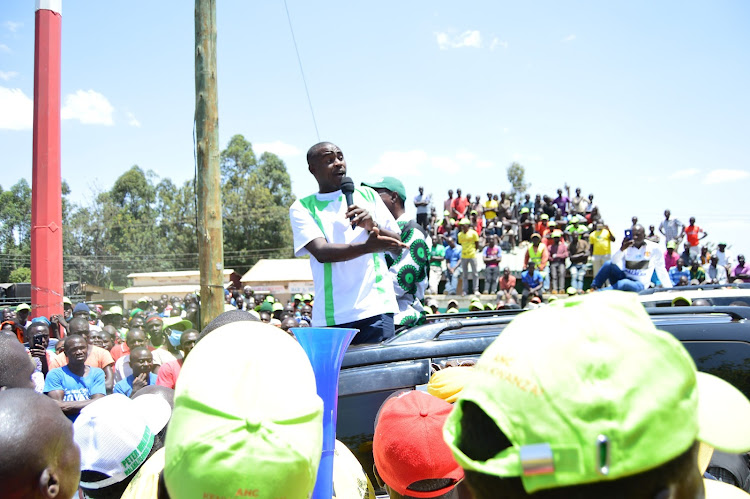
point(346, 242)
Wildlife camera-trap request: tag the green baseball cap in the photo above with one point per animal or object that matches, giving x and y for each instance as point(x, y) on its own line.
point(23, 306)
point(297, 297)
point(266, 307)
point(391, 183)
point(265, 437)
point(277, 306)
point(176, 323)
point(612, 397)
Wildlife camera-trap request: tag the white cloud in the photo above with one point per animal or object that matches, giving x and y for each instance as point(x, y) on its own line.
point(12, 26)
point(690, 172)
point(484, 164)
point(132, 120)
point(277, 147)
point(18, 109)
point(466, 157)
point(398, 163)
point(569, 38)
point(445, 164)
point(496, 42)
point(4, 48)
point(7, 75)
point(88, 107)
point(722, 176)
point(469, 38)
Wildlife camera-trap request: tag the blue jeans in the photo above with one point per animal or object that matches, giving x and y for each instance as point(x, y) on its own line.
point(373, 329)
point(617, 278)
point(577, 271)
point(451, 283)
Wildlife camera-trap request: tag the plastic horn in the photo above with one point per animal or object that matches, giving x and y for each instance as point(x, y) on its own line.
point(325, 348)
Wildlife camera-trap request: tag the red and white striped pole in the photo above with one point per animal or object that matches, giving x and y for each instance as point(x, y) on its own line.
point(46, 197)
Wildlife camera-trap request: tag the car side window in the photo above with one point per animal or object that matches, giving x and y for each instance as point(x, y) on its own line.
point(728, 360)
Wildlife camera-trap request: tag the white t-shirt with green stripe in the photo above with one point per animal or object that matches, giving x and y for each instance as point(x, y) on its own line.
point(351, 290)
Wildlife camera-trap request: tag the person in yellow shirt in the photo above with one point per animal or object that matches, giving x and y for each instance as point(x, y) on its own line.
point(601, 240)
point(469, 241)
point(490, 214)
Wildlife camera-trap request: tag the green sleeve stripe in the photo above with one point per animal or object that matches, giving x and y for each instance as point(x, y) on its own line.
point(328, 283)
point(313, 205)
point(378, 274)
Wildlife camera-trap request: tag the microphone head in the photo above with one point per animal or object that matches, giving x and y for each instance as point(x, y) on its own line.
point(347, 185)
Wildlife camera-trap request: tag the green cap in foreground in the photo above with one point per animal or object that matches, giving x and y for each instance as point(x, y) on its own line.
point(391, 183)
point(251, 428)
point(601, 396)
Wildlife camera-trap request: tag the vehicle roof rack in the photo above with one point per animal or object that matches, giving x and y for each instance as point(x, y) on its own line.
point(700, 287)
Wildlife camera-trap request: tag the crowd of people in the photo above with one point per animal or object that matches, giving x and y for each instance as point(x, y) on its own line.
point(561, 238)
point(509, 425)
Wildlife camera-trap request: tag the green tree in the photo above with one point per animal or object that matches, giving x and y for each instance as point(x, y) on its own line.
point(256, 196)
point(20, 274)
point(15, 228)
point(517, 179)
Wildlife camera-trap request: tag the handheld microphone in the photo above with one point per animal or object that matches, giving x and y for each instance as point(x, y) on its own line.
point(347, 187)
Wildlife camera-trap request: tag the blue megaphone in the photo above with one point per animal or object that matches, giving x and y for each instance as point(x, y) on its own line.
point(325, 347)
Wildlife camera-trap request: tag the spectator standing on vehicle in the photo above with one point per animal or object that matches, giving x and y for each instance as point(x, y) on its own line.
point(558, 253)
point(39, 459)
point(437, 257)
point(519, 418)
point(579, 203)
point(652, 236)
point(601, 246)
point(490, 210)
point(411, 458)
point(716, 273)
point(537, 253)
point(142, 363)
point(347, 246)
point(75, 385)
point(459, 206)
point(448, 204)
point(508, 293)
point(562, 202)
point(671, 256)
point(579, 256)
point(741, 270)
point(468, 239)
point(679, 271)
point(409, 268)
point(632, 267)
point(532, 283)
point(492, 256)
point(671, 228)
point(693, 233)
point(422, 202)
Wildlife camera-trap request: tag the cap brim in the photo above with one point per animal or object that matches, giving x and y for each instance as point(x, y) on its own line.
point(723, 413)
point(720, 490)
point(155, 410)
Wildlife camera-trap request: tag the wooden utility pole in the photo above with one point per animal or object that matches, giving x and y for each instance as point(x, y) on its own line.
point(210, 236)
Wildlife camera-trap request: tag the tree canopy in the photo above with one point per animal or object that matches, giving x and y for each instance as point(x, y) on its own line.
point(144, 223)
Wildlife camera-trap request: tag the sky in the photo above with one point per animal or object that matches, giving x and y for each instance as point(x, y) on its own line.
point(644, 104)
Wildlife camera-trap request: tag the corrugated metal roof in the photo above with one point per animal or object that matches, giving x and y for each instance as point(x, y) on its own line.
point(181, 273)
point(284, 270)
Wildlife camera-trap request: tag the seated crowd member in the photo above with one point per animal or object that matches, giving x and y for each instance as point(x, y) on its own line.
point(95, 356)
point(596, 425)
point(141, 364)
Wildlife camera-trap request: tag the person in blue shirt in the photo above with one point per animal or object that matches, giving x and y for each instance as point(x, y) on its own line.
point(76, 385)
point(453, 266)
point(532, 283)
point(678, 271)
point(142, 362)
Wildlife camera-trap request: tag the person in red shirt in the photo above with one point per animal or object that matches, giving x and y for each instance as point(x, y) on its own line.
point(459, 205)
point(671, 256)
point(694, 236)
point(170, 371)
point(507, 294)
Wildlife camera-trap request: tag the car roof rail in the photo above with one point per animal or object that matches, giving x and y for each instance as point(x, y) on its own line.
point(474, 315)
point(699, 287)
point(737, 313)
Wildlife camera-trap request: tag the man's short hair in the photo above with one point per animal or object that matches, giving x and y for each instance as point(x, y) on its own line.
point(313, 151)
point(582, 408)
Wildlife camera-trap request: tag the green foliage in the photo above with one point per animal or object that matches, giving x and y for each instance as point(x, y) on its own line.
point(21, 274)
point(517, 177)
point(145, 224)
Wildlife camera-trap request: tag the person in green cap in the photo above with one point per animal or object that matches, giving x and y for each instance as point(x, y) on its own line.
point(621, 417)
point(409, 268)
point(346, 243)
